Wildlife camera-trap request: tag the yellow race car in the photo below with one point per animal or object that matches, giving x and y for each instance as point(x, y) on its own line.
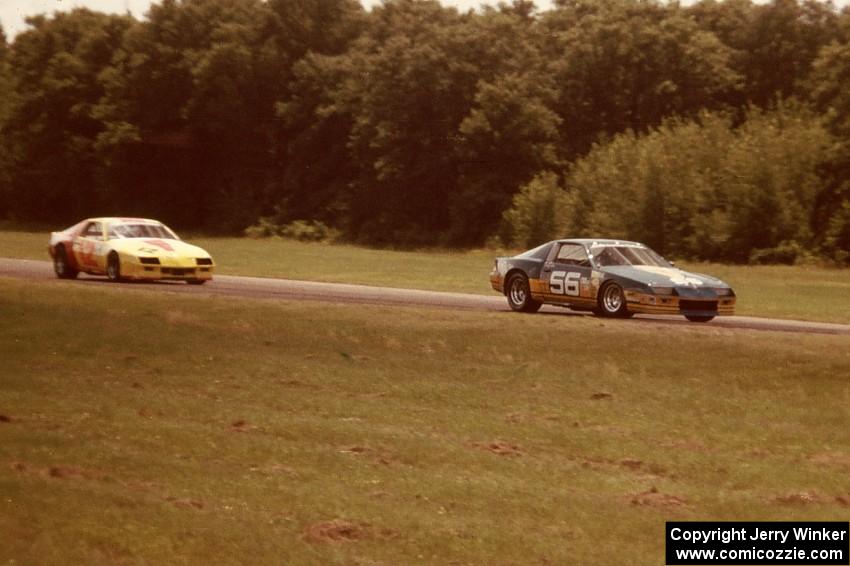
point(127, 248)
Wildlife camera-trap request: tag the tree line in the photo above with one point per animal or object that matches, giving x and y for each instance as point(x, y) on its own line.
point(718, 130)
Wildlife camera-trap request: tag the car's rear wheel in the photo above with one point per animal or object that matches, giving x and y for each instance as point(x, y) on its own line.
point(695, 318)
point(60, 265)
point(612, 302)
point(113, 267)
point(519, 294)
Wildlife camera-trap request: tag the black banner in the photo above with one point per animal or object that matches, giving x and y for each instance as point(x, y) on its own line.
point(766, 543)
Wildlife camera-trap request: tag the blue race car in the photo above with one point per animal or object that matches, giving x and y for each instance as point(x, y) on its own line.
point(612, 278)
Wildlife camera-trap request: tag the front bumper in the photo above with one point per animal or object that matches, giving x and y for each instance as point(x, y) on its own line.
point(647, 303)
point(497, 282)
point(170, 269)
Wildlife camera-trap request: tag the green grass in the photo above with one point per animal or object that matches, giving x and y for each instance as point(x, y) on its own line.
point(797, 292)
point(462, 272)
point(141, 427)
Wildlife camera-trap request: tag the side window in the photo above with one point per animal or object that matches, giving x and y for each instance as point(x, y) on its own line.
point(94, 230)
point(572, 254)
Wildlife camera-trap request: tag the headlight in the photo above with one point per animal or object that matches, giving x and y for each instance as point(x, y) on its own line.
point(663, 290)
point(723, 291)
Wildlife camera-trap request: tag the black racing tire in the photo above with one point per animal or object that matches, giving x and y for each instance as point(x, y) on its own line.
point(196, 281)
point(611, 302)
point(518, 293)
point(699, 318)
point(113, 267)
point(60, 264)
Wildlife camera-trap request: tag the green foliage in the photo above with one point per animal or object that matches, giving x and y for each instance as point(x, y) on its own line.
point(50, 129)
point(707, 190)
point(627, 65)
point(828, 86)
point(192, 91)
point(6, 99)
point(509, 134)
point(786, 253)
point(539, 212)
point(836, 242)
point(773, 44)
point(299, 230)
point(453, 118)
point(414, 124)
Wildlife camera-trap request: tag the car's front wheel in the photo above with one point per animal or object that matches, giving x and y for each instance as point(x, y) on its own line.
point(695, 318)
point(113, 267)
point(612, 302)
point(519, 294)
point(60, 265)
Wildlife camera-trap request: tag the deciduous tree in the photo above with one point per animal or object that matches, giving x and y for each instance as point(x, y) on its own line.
point(51, 127)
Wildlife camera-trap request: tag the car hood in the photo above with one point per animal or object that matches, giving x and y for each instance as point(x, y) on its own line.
point(663, 276)
point(158, 247)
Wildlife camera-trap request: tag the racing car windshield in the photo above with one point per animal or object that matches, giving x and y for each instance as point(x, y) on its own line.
point(141, 231)
point(605, 256)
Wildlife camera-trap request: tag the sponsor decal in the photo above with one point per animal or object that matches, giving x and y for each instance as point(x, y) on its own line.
point(676, 276)
point(87, 253)
point(160, 244)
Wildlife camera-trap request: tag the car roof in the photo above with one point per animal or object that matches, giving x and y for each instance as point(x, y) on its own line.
point(600, 242)
point(123, 220)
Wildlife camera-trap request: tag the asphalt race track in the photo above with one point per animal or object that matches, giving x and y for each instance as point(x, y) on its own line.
point(285, 289)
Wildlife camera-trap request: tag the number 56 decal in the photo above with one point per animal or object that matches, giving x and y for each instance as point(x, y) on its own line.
point(563, 283)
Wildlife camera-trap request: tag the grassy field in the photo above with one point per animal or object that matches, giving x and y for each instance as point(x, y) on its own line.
point(800, 292)
point(138, 427)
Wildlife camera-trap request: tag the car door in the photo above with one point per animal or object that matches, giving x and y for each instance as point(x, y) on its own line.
point(90, 248)
point(567, 275)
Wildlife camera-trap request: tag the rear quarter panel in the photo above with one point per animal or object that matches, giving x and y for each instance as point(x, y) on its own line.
point(65, 238)
point(505, 267)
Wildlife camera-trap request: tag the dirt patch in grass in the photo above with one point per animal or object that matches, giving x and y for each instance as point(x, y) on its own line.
point(602, 396)
point(838, 459)
point(185, 502)
point(337, 530)
point(799, 498)
point(341, 530)
point(380, 456)
point(631, 464)
point(61, 472)
point(274, 469)
point(760, 453)
point(654, 498)
point(645, 469)
point(356, 450)
point(689, 445)
point(296, 383)
point(501, 448)
point(146, 413)
point(72, 472)
point(241, 425)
